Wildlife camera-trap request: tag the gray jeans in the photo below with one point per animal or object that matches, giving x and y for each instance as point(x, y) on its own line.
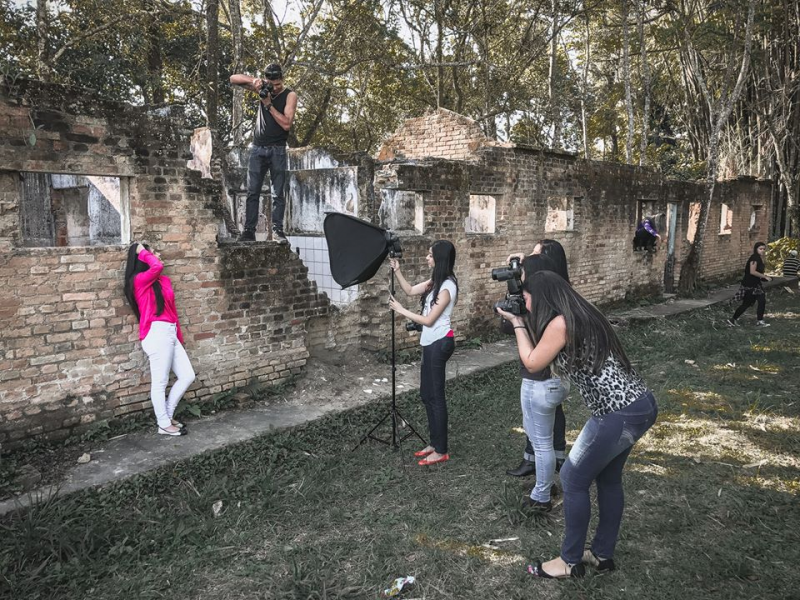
point(263, 159)
point(539, 400)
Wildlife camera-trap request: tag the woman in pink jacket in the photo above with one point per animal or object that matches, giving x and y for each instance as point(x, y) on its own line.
point(151, 296)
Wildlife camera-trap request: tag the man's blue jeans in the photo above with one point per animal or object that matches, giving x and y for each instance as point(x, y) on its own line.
point(539, 400)
point(599, 455)
point(263, 159)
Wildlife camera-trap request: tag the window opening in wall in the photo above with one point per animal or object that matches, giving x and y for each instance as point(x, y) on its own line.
point(482, 214)
point(649, 208)
point(560, 213)
point(401, 210)
point(756, 213)
point(694, 219)
point(725, 220)
point(73, 210)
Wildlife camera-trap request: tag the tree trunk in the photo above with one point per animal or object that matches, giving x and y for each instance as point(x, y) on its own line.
point(437, 12)
point(584, 79)
point(645, 85)
point(155, 61)
point(626, 75)
point(721, 108)
point(42, 55)
point(237, 110)
point(555, 121)
point(212, 59)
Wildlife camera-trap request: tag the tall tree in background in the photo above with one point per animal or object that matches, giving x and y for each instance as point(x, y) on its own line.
point(237, 66)
point(720, 101)
point(42, 55)
point(645, 77)
point(626, 77)
point(212, 62)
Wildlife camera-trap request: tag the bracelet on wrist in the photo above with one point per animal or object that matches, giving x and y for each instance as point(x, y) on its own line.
point(519, 327)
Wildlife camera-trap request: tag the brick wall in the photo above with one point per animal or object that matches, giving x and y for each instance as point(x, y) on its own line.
point(70, 352)
point(603, 266)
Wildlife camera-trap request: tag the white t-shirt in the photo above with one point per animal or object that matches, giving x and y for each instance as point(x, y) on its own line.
point(442, 325)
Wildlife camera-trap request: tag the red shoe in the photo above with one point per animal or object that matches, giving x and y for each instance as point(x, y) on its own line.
point(424, 452)
point(425, 462)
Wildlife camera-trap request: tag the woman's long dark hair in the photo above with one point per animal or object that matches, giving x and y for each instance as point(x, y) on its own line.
point(555, 252)
point(590, 337)
point(444, 259)
point(757, 258)
point(133, 267)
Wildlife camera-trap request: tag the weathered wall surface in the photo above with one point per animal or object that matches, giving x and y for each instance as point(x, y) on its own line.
point(70, 352)
point(607, 201)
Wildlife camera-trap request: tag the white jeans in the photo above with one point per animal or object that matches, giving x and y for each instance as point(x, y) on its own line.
point(166, 353)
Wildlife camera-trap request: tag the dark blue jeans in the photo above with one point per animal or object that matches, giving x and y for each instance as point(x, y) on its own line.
point(263, 159)
point(431, 389)
point(599, 455)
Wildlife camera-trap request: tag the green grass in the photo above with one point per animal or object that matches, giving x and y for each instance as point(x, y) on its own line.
point(711, 506)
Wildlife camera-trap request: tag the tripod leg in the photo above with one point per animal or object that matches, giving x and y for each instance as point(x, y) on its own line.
point(371, 431)
point(413, 431)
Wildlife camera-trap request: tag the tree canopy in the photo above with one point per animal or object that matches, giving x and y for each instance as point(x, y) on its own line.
point(687, 87)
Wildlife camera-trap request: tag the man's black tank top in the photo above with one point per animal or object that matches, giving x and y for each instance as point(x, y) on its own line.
point(267, 131)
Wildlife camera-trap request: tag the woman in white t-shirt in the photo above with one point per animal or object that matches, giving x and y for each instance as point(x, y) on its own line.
point(439, 294)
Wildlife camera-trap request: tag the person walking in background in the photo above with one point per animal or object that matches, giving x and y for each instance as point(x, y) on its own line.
point(554, 251)
point(751, 290)
point(561, 327)
point(152, 299)
point(438, 297)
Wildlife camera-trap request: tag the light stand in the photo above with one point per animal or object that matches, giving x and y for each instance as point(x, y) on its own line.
point(393, 413)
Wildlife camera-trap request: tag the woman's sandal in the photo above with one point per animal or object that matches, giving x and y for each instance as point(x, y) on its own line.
point(177, 423)
point(427, 461)
point(424, 452)
point(163, 431)
point(576, 571)
point(601, 565)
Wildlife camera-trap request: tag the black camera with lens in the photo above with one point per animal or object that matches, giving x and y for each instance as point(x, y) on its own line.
point(266, 89)
point(411, 326)
point(514, 302)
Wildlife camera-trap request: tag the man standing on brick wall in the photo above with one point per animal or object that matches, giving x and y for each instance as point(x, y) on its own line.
point(276, 110)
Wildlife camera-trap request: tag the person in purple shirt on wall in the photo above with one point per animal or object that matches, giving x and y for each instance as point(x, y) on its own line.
point(647, 235)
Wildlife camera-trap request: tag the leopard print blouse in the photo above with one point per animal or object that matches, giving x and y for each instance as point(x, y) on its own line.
point(609, 391)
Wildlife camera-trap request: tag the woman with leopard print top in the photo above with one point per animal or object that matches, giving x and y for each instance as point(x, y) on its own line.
point(562, 328)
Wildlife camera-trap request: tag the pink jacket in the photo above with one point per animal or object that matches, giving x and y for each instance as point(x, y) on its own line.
point(146, 297)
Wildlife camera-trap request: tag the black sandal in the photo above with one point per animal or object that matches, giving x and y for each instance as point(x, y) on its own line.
point(575, 571)
point(601, 565)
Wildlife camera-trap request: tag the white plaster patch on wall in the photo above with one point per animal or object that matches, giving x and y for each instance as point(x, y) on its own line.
point(481, 218)
point(201, 149)
point(313, 251)
point(303, 159)
point(312, 193)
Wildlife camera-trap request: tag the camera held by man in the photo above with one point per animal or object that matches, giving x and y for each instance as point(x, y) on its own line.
point(514, 302)
point(266, 89)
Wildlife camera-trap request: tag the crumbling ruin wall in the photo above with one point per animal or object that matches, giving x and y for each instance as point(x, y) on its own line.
point(445, 166)
point(70, 353)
